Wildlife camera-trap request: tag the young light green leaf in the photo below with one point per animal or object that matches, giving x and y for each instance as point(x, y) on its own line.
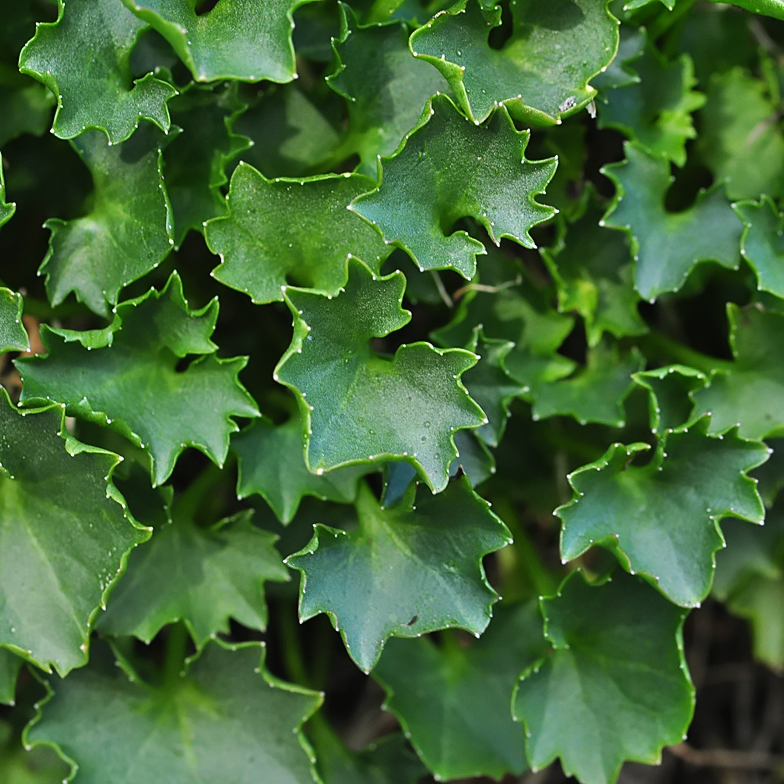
point(594, 274)
point(405, 571)
point(453, 700)
point(668, 245)
point(244, 39)
point(614, 687)
point(762, 244)
point(540, 74)
point(13, 336)
point(596, 393)
point(424, 190)
point(224, 718)
point(750, 394)
point(83, 58)
point(357, 406)
point(669, 394)
point(201, 576)
point(386, 87)
point(661, 519)
point(64, 536)
point(271, 463)
point(297, 229)
point(741, 139)
point(128, 230)
point(126, 376)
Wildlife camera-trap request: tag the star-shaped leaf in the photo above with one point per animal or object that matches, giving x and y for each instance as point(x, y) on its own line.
point(64, 536)
point(661, 519)
point(540, 74)
point(386, 87)
point(750, 393)
point(741, 139)
point(202, 576)
point(404, 571)
point(454, 700)
point(762, 244)
point(224, 718)
point(13, 336)
point(126, 376)
point(614, 687)
point(128, 230)
point(656, 110)
point(357, 406)
point(243, 39)
point(298, 229)
point(424, 190)
point(668, 245)
point(6, 210)
point(83, 58)
point(594, 274)
point(594, 394)
point(272, 464)
point(669, 394)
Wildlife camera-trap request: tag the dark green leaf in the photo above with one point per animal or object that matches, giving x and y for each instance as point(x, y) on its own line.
point(10, 664)
point(6, 210)
point(24, 110)
point(669, 394)
point(13, 336)
point(763, 244)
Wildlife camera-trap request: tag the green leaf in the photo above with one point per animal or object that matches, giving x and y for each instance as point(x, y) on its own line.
point(774, 8)
point(741, 139)
point(656, 110)
point(760, 601)
point(669, 394)
point(10, 664)
point(666, 245)
point(453, 699)
point(661, 519)
point(128, 230)
point(596, 393)
point(750, 393)
point(64, 536)
point(24, 110)
point(404, 571)
point(83, 58)
point(386, 87)
point(298, 229)
point(28, 766)
point(615, 686)
point(202, 576)
point(248, 40)
point(126, 376)
point(473, 457)
point(762, 244)
point(272, 464)
point(540, 74)
point(13, 336)
point(491, 386)
point(424, 190)
point(225, 718)
point(407, 407)
point(6, 210)
point(594, 275)
point(196, 160)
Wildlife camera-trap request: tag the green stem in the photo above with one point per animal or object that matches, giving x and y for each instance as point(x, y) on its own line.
point(176, 647)
point(659, 345)
point(293, 657)
point(669, 18)
point(192, 498)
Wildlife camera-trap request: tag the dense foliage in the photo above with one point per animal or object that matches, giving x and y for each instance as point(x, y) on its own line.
point(459, 326)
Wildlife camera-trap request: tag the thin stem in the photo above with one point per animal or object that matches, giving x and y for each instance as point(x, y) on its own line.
point(663, 347)
point(176, 647)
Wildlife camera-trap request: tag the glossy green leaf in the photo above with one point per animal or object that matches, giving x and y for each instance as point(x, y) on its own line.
point(473, 458)
point(661, 519)
point(594, 274)
point(263, 245)
point(386, 87)
point(741, 140)
point(243, 39)
point(126, 376)
point(404, 571)
point(10, 665)
point(750, 393)
point(83, 58)
point(453, 699)
point(541, 73)
point(272, 464)
point(614, 687)
point(668, 245)
point(595, 393)
point(64, 536)
point(669, 394)
point(223, 718)
point(762, 244)
point(407, 407)
point(656, 110)
point(13, 336)
point(6, 210)
point(774, 8)
point(424, 191)
point(121, 238)
point(202, 576)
